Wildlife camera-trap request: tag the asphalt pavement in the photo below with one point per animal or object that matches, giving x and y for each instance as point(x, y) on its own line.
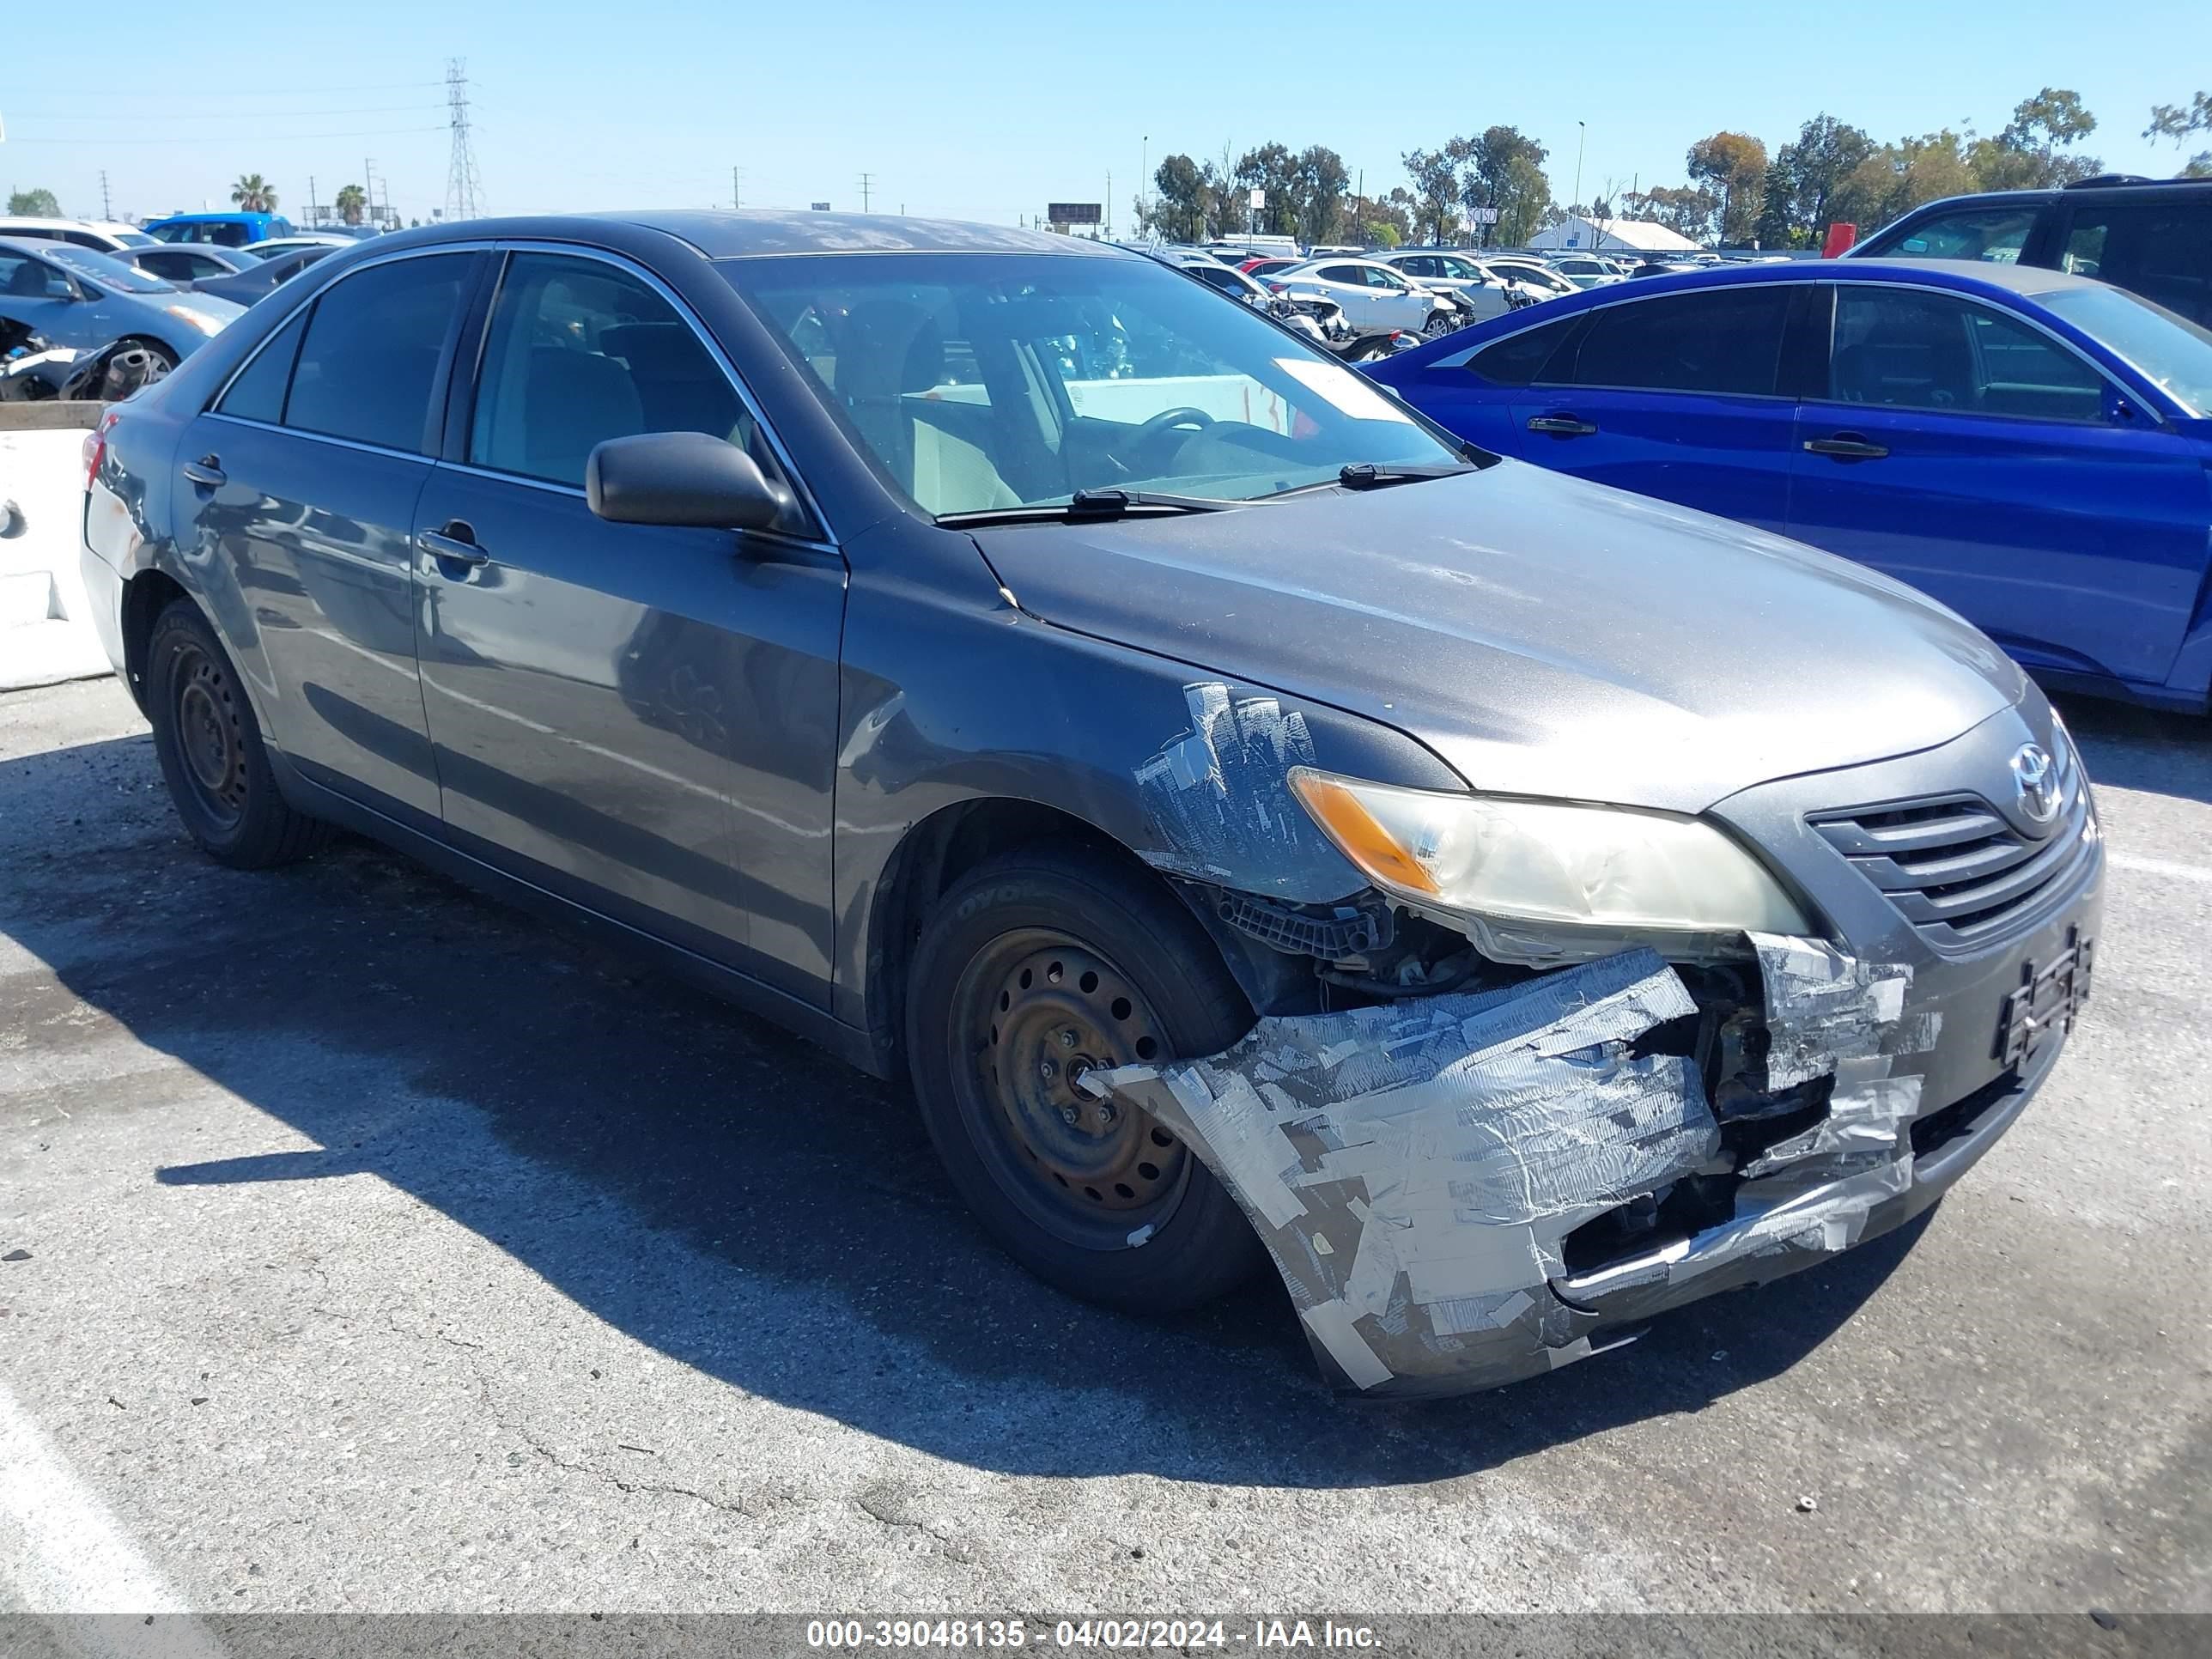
point(367, 1246)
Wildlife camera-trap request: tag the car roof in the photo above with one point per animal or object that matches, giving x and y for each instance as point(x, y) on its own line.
point(728, 235)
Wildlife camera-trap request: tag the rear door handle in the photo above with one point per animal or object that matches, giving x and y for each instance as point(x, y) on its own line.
point(205, 471)
point(1846, 446)
point(1561, 426)
point(456, 542)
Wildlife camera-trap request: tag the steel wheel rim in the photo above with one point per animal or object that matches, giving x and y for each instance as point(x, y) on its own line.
point(210, 740)
point(1091, 1173)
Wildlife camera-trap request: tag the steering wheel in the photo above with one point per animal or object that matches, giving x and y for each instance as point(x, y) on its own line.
point(1152, 431)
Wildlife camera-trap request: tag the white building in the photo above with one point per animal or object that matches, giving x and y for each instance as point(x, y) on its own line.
point(1618, 235)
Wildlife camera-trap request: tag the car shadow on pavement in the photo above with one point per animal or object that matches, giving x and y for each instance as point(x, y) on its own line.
point(720, 1191)
point(2153, 750)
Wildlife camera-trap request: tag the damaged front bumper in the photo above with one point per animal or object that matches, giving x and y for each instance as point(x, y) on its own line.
point(1421, 1172)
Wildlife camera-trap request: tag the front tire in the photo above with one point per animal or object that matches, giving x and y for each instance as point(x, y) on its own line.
point(1036, 967)
point(211, 753)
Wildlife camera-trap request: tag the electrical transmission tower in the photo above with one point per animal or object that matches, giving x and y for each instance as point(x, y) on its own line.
point(464, 191)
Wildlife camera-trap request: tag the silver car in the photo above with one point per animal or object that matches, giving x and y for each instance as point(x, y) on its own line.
point(1375, 296)
point(71, 296)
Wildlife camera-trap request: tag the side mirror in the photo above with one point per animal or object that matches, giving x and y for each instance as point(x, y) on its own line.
point(686, 478)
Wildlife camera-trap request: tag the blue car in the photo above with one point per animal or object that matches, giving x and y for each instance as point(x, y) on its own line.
point(222, 229)
point(70, 296)
point(2030, 448)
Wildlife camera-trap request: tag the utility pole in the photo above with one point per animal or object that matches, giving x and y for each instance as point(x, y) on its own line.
point(1109, 204)
point(368, 188)
point(868, 181)
point(737, 188)
point(106, 212)
point(463, 189)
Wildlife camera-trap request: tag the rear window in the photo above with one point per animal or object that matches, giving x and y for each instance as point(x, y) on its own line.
point(1995, 234)
point(1725, 342)
point(370, 357)
point(2162, 250)
point(1518, 359)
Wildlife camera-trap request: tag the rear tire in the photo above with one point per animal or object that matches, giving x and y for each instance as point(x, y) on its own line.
point(1036, 966)
point(211, 753)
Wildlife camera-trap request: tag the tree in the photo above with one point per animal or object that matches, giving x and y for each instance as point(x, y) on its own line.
point(2176, 122)
point(1321, 180)
point(1435, 173)
point(253, 194)
point(1687, 210)
point(1733, 165)
point(1897, 177)
point(352, 204)
point(1272, 169)
point(1802, 182)
point(2025, 155)
point(1506, 172)
point(35, 204)
point(1177, 210)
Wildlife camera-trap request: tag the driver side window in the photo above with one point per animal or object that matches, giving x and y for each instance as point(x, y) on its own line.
point(27, 279)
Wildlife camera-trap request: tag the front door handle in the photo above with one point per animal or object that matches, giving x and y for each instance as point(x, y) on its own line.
point(456, 542)
point(206, 470)
point(1561, 426)
point(1846, 446)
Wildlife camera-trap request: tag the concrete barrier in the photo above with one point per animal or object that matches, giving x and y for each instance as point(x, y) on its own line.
point(46, 618)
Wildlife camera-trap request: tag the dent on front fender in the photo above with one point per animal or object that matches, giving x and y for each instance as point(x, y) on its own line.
point(1415, 1169)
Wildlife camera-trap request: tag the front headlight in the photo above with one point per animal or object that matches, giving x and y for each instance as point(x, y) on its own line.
point(1547, 861)
point(201, 320)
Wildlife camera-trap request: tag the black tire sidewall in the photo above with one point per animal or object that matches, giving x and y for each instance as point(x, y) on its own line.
point(260, 829)
point(1205, 1246)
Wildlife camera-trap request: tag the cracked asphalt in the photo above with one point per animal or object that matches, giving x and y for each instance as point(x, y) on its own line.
point(364, 1245)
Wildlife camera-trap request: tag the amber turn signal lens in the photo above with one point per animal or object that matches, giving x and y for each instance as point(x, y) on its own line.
point(1357, 833)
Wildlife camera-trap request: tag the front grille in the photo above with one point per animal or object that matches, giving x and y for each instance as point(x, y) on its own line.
point(1956, 869)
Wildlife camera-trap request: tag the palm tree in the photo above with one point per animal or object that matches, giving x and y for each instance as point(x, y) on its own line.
point(352, 204)
point(253, 194)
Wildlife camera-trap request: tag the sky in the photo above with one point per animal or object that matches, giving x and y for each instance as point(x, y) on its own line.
point(989, 112)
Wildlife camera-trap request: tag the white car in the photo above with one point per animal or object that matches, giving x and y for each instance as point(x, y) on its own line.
point(1375, 296)
point(1587, 271)
point(99, 235)
point(276, 245)
point(1533, 273)
point(1485, 290)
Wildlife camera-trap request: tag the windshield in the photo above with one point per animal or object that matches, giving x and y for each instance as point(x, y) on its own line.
point(110, 273)
point(983, 381)
point(2167, 348)
point(136, 239)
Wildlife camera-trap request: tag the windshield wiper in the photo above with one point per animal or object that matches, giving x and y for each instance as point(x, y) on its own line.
point(1370, 475)
point(1087, 507)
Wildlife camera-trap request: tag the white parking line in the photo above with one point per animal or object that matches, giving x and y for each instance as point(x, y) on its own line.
point(62, 1552)
point(2173, 867)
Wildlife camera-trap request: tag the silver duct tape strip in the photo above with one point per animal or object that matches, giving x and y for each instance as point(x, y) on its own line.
point(1414, 1167)
point(1220, 792)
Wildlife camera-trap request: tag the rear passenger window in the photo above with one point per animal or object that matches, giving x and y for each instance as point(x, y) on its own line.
point(370, 358)
point(581, 352)
point(1519, 359)
point(258, 394)
point(1724, 341)
point(2162, 251)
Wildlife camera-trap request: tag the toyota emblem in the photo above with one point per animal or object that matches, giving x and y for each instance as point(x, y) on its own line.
point(2035, 776)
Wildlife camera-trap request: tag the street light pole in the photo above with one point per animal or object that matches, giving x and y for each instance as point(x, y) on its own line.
point(1581, 135)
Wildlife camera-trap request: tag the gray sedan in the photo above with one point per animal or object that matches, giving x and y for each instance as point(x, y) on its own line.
point(71, 296)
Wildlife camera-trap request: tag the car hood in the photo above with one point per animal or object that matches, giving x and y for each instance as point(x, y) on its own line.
point(1543, 635)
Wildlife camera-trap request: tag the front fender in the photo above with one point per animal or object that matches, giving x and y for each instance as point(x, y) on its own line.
point(950, 693)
